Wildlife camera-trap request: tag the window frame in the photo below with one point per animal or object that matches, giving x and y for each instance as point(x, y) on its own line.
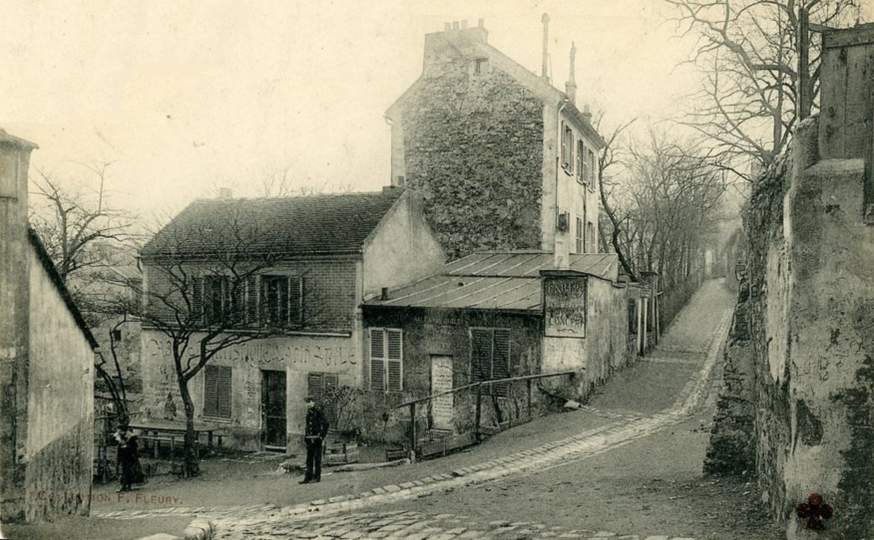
point(491, 388)
point(292, 280)
point(386, 359)
point(230, 400)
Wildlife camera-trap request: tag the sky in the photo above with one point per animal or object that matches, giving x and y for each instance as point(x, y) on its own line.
point(183, 97)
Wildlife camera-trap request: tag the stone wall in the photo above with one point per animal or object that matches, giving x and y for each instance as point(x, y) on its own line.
point(799, 363)
point(60, 404)
point(473, 147)
point(446, 332)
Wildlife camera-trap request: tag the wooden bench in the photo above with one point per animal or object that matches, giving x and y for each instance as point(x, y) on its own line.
point(156, 440)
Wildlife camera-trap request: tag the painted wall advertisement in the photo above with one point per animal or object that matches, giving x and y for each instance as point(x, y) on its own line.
point(564, 306)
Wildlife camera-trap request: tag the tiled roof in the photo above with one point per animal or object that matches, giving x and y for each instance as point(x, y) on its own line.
point(493, 280)
point(320, 224)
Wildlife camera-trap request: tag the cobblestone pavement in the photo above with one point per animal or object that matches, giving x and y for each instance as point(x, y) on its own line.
point(343, 516)
point(408, 525)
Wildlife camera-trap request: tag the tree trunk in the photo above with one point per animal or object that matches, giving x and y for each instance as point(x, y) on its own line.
point(190, 465)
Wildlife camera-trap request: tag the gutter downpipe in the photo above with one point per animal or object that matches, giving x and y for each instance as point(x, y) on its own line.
point(561, 104)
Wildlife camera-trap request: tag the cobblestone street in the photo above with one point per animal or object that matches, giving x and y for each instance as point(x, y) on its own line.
point(687, 355)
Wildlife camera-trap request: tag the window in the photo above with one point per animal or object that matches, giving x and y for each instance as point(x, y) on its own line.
point(584, 173)
point(590, 238)
point(480, 65)
point(386, 359)
point(116, 335)
point(319, 385)
point(490, 357)
point(593, 170)
point(567, 149)
point(281, 300)
point(579, 237)
point(217, 391)
point(581, 161)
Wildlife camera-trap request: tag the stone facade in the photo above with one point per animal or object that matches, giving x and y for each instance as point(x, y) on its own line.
point(480, 137)
point(799, 366)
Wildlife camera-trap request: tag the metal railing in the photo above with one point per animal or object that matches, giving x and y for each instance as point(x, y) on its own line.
point(478, 387)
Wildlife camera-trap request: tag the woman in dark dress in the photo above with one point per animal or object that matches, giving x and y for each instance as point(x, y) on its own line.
point(128, 458)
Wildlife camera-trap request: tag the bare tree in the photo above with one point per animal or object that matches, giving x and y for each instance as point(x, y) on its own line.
point(202, 298)
point(748, 51)
point(607, 158)
point(72, 226)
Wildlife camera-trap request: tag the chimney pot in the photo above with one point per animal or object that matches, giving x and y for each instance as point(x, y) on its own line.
point(545, 61)
point(384, 294)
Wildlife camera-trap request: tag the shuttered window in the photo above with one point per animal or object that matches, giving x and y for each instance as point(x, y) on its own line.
point(581, 161)
point(251, 300)
point(490, 357)
point(196, 299)
point(386, 359)
point(320, 385)
point(282, 300)
point(593, 171)
point(579, 235)
point(217, 391)
point(295, 300)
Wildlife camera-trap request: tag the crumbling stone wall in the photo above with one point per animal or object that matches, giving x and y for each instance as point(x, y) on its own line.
point(798, 381)
point(473, 147)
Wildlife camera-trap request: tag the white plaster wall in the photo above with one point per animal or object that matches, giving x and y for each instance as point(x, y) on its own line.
point(296, 355)
point(402, 249)
point(61, 366)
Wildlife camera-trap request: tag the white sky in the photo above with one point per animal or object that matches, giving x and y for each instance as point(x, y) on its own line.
point(186, 95)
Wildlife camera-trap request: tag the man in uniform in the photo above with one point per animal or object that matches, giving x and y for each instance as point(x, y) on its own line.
point(316, 430)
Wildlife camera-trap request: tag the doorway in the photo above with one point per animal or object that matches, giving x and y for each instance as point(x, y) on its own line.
point(273, 414)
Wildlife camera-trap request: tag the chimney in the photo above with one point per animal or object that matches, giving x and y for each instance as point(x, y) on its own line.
point(587, 113)
point(544, 72)
point(455, 25)
point(447, 27)
point(570, 87)
point(225, 193)
point(383, 296)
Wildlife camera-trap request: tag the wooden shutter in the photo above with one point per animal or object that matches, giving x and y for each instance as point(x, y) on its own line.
point(224, 391)
point(481, 353)
point(377, 359)
point(197, 298)
point(581, 161)
point(217, 391)
point(563, 146)
point(395, 360)
point(252, 300)
point(295, 300)
point(331, 382)
point(315, 385)
point(501, 360)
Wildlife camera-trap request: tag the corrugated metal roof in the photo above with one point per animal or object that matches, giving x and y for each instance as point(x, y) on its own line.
point(493, 280)
point(530, 263)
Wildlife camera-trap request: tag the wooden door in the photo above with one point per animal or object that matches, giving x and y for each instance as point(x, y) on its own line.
point(273, 413)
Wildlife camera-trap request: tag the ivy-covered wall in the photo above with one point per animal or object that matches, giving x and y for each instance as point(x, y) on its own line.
point(473, 147)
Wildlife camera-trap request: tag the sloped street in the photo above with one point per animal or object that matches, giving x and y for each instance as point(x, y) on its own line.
point(629, 463)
